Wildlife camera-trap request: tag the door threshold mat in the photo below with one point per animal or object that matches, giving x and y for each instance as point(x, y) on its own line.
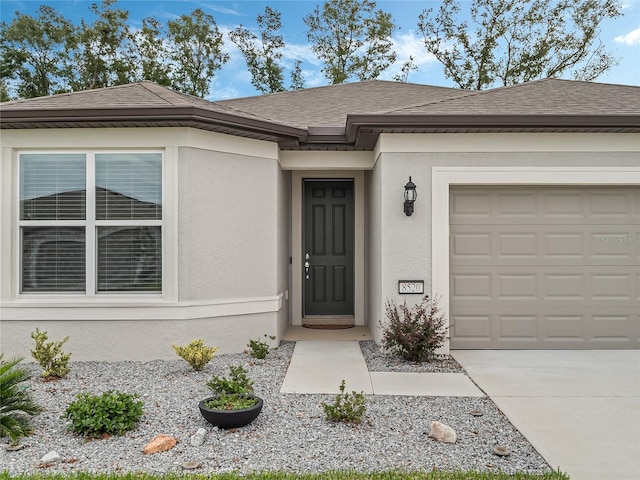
point(326, 326)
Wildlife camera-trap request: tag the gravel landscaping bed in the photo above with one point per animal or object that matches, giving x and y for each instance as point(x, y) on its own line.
point(383, 361)
point(290, 434)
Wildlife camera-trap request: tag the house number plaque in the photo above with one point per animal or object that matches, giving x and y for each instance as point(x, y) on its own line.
point(411, 286)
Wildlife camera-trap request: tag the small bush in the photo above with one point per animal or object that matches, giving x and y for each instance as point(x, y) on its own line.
point(237, 382)
point(347, 408)
point(233, 401)
point(196, 353)
point(112, 413)
point(258, 348)
point(15, 402)
point(52, 359)
point(414, 334)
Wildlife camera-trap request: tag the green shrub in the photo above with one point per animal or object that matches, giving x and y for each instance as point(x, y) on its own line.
point(414, 334)
point(196, 353)
point(52, 359)
point(237, 382)
point(258, 348)
point(232, 401)
point(112, 413)
point(15, 401)
point(347, 408)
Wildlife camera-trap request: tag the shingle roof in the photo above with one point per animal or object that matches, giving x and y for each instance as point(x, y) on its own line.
point(542, 97)
point(346, 116)
point(328, 106)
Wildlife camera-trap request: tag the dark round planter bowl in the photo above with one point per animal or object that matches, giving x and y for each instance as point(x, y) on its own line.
point(231, 418)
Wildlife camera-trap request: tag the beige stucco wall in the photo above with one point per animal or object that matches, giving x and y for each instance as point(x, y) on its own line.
point(404, 250)
point(283, 248)
point(227, 225)
point(223, 234)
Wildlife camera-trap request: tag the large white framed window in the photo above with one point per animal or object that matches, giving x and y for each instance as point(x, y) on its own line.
point(91, 222)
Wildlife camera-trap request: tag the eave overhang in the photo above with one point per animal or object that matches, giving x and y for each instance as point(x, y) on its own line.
point(361, 131)
point(151, 117)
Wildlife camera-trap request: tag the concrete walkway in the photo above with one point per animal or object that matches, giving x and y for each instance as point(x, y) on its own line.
point(579, 409)
point(320, 366)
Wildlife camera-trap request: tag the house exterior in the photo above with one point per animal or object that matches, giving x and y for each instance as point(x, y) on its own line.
point(135, 216)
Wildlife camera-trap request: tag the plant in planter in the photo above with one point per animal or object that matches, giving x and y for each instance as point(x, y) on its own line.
point(233, 405)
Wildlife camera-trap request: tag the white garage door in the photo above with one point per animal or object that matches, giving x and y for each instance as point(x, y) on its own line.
point(545, 267)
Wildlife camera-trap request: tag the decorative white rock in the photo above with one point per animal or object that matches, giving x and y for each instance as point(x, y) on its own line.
point(51, 457)
point(198, 438)
point(442, 433)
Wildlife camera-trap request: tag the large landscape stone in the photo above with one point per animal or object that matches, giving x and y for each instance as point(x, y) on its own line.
point(442, 433)
point(161, 443)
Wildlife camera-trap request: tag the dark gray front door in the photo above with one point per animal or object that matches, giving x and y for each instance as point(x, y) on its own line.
point(328, 247)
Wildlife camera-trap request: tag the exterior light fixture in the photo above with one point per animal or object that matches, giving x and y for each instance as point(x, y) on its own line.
point(410, 196)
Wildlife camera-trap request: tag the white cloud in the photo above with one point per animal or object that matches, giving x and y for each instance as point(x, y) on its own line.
point(220, 9)
point(631, 38)
point(222, 90)
point(302, 52)
point(409, 45)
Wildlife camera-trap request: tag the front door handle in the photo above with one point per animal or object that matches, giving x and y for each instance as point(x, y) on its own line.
point(306, 270)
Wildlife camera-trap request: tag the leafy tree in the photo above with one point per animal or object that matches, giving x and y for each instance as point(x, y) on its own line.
point(34, 52)
point(152, 53)
point(351, 38)
point(263, 54)
point(4, 91)
point(196, 51)
point(297, 80)
point(105, 54)
point(515, 41)
point(407, 68)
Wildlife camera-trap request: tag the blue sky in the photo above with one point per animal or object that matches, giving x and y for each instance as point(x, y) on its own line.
point(621, 36)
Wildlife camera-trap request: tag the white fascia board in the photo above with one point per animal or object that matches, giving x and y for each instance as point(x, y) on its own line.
point(507, 142)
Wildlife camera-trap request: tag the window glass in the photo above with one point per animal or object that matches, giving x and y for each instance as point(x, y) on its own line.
point(129, 259)
point(53, 259)
point(52, 186)
point(124, 253)
point(128, 186)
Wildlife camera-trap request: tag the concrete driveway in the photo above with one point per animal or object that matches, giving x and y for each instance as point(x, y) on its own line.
point(579, 409)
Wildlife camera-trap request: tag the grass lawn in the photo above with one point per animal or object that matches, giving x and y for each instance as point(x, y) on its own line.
point(391, 475)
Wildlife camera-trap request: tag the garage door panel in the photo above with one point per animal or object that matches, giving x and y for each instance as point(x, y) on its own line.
point(544, 245)
point(614, 285)
point(545, 267)
point(539, 328)
point(549, 205)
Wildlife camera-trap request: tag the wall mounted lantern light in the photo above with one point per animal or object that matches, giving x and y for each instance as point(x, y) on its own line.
point(410, 196)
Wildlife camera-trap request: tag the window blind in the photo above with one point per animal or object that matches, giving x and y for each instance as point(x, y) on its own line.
point(52, 186)
point(128, 186)
point(129, 259)
point(53, 259)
